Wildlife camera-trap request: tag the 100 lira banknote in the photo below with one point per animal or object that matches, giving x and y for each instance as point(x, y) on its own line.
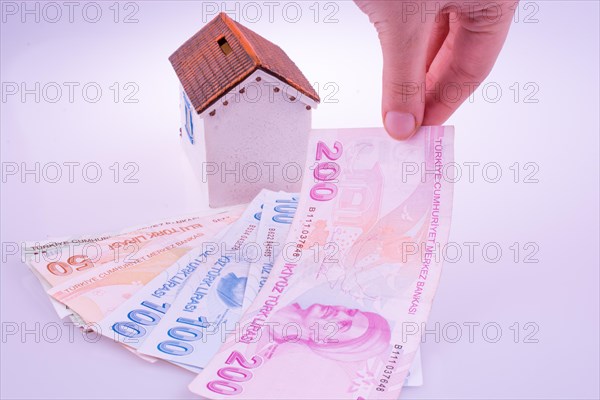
point(56, 261)
point(212, 297)
point(330, 321)
point(100, 290)
point(133, 321)
point(277, 215)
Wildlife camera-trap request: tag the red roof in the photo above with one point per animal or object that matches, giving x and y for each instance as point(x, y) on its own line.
point(223, 54)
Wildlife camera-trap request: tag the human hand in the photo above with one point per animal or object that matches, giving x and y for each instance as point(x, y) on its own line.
point(435, 54)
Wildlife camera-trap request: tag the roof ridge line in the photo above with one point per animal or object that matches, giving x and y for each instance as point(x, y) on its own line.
point(241, 37)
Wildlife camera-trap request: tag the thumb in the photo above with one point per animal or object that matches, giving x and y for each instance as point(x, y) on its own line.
point(404, 45)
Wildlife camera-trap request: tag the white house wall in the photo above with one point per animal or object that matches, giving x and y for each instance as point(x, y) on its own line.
point(258, 140)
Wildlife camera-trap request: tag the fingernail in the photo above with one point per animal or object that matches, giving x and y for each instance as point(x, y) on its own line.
point(400, 125)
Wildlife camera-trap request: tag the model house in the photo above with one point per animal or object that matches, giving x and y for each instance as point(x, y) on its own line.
point(245, 112)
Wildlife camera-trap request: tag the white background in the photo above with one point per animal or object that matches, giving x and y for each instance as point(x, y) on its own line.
point(558, 54)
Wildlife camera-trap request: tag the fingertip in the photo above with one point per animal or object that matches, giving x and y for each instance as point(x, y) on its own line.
point(400, 125)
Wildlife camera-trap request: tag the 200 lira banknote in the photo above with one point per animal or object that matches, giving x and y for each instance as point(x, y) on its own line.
point(330, 321)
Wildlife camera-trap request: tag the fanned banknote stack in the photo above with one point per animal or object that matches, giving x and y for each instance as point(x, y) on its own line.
point(294, 296)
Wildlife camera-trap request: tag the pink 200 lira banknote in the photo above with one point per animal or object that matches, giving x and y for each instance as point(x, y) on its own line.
point(336, 317)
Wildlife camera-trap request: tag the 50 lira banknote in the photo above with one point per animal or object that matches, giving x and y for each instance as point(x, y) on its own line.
point(102, 287)
point(56, 261)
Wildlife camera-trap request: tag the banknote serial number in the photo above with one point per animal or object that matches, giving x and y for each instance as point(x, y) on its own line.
point(384, 380)
point(326, 172)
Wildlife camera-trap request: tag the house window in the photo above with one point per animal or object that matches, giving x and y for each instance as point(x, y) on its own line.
point(225, 47)
point(189, 123)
